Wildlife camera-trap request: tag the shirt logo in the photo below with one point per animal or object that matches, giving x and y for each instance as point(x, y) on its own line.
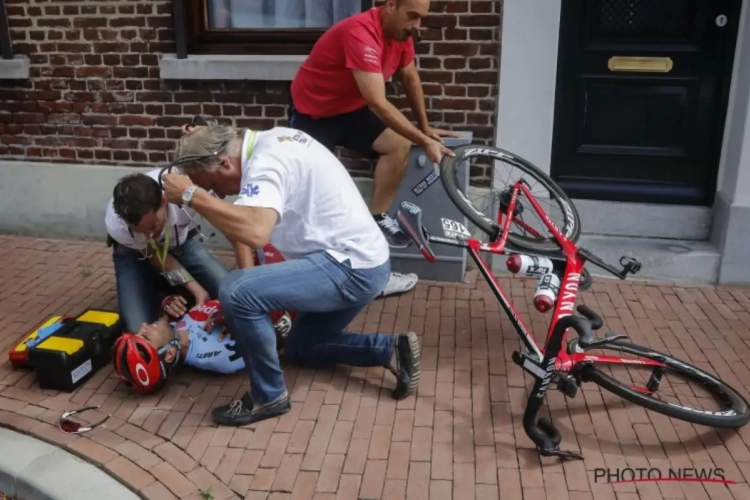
point(250, 190)
point(284, 138)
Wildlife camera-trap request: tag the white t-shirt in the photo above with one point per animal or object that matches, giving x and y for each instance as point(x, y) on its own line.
point(177, 219)
point(319, 205)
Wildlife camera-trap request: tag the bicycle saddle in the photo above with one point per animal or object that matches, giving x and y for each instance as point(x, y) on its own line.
point(409, 218)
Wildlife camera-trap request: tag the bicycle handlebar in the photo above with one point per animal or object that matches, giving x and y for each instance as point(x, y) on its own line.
point(542, 431)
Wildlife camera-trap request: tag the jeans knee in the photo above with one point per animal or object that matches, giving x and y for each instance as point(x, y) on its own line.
point(242, 292)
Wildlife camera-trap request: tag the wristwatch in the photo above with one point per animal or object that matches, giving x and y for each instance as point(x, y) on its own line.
point(187, 195)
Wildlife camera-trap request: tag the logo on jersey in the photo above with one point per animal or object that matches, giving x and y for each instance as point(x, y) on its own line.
point(284, 138)
point(250, 190)
point(371, 55)
point(205, 311)
point(209, 354)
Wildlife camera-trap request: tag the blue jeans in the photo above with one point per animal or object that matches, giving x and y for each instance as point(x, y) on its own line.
point(139, 283)
point(326, 295)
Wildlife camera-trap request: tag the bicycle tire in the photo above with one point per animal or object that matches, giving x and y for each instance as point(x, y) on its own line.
point(737, 415)
point(449, 177)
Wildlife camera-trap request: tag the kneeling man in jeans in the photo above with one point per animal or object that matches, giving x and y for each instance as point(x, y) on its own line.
point(295, 194)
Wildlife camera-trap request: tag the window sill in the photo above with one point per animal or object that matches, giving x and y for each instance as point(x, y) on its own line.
point(14, 69)
point(230, 67)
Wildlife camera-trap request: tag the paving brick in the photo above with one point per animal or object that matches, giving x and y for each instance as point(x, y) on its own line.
point(176, 457)
point(129, 473)
point(173, 479)
point(461, 436)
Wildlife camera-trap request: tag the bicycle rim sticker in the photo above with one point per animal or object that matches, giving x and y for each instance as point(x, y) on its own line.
point(454, 229)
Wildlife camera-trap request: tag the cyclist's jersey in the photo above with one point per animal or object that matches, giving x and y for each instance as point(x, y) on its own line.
point(206, 352)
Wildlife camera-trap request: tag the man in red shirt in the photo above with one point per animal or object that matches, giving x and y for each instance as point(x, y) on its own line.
point(339, 98)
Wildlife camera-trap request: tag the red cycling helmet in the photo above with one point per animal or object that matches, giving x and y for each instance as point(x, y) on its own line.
point(139, 365)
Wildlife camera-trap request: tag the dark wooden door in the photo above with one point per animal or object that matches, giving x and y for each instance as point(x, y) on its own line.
point(642, 89)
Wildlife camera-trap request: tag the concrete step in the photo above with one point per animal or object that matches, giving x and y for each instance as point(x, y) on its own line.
point(679, 261)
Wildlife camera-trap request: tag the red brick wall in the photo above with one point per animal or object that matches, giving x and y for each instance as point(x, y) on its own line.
point(95, 96)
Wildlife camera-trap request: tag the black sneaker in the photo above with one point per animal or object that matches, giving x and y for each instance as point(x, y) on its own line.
point(240, 411)
point(392, 231)
point(408, 365)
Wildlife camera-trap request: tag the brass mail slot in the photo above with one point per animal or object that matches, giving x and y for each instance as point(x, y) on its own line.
point(640, 64)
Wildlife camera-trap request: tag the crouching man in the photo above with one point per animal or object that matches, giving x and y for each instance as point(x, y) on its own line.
point(295, 194)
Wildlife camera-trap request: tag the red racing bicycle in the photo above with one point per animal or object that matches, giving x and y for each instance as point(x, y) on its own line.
point(559, 260)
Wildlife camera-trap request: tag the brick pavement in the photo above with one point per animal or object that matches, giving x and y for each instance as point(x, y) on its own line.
point(461, 437)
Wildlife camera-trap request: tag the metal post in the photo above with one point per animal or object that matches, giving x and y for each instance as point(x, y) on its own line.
point(5, 47)
point(180, 29)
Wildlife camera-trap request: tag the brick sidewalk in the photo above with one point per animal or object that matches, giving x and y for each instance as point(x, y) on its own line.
point(460, 438)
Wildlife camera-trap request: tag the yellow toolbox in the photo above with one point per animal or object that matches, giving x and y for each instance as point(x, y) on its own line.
point(71, 350)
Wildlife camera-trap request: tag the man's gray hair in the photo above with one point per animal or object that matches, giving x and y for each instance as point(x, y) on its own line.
point(205, 140)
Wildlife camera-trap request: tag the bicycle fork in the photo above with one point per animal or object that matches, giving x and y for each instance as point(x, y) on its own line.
point(542, 431)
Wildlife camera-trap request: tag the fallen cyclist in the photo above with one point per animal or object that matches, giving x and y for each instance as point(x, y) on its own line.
point(197, 338)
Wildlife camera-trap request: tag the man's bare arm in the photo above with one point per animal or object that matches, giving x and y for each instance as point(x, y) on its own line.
point(412, 84)
point(251, 226)
point(243, 255)
point(170, 264)
point(372, 87)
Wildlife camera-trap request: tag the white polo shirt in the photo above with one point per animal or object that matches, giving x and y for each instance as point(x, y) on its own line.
point(319, 205)
point(177, 219)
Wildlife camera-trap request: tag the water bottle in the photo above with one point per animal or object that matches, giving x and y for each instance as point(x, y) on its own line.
point(546, 292)
point(530, 266)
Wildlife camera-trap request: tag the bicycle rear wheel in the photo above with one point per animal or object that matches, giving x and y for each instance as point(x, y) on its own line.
point(532, 241)
point(733, 409)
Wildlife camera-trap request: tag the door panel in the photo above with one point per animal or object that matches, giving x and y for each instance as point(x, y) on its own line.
point(635, 129)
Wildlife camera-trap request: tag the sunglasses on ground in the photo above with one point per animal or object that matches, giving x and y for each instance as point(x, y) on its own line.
point(74, 427)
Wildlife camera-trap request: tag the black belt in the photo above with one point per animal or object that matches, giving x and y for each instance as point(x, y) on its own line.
point(191, 234)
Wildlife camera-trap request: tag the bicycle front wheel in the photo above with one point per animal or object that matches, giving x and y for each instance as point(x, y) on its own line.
point(482, 207)
point(728, 409)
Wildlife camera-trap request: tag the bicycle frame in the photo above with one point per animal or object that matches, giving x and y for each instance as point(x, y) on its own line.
point(550, 359)
point(575, 259)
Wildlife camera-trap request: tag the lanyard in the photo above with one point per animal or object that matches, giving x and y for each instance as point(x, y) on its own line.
point(162, 256)
point(250, 144)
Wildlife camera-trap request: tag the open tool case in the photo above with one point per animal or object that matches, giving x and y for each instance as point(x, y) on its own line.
point(66, 351)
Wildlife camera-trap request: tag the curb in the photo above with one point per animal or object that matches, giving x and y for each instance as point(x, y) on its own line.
point(33, 469)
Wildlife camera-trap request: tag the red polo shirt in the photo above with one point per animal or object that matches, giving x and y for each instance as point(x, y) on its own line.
point(325, 86)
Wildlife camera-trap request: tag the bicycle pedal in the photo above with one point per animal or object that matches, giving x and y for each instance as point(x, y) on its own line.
point(567, 385)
